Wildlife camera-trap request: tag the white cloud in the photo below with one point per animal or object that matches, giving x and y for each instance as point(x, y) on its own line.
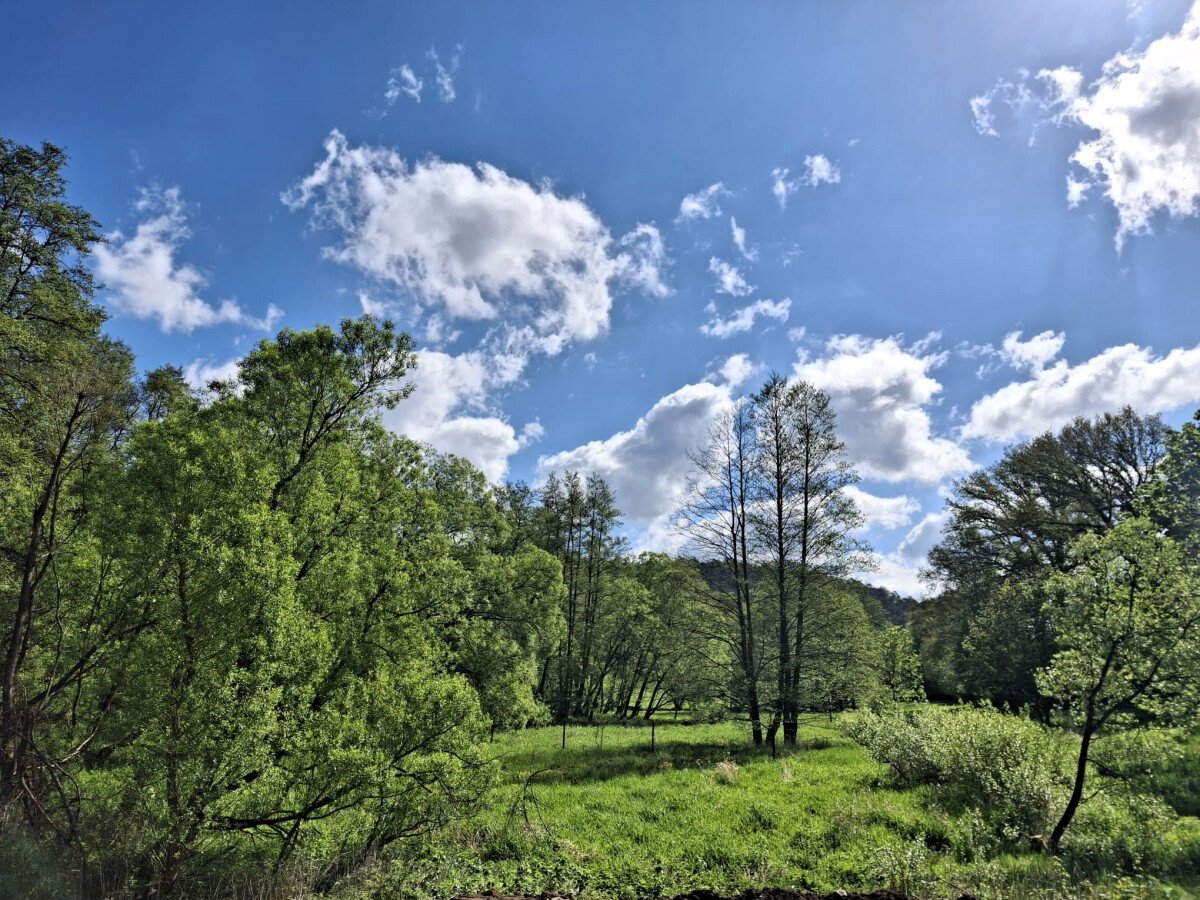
point(641, 260)
point(736, 370)
point(729, 279)
point(1021, 101)
point(1145, 110)
point(1076, 191)
point(739, 240)
point(403, 82)
point(818, 170)
point(477, 243)
point(743, 319)
point(781, 187)
point(200, 373)
point(531, 434)
point(437, 229)
point(646, 466)
point(1034, 354)
point(378, 308)
point(881, 391)
point(883, 512)
point(981, 112)
point(146, 280)
point(443, 75)
point(449, 409)
point(702, 204)
point(1053, 396)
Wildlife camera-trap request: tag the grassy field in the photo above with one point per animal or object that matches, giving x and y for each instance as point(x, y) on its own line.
point(606, 817)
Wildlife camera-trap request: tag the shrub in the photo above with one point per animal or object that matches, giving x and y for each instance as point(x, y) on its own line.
point(893, 736)
point(977, 756)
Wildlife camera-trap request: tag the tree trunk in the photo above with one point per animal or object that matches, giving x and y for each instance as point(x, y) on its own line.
point(1077, 790)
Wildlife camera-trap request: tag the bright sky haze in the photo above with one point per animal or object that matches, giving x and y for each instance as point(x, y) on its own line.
point(969, 223)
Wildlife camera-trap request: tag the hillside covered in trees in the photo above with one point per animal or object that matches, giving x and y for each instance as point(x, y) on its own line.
point(257, 644)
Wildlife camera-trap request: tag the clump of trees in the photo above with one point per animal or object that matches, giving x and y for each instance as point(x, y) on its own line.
point(241, 628)
point(1070, 589)
point(773, 528)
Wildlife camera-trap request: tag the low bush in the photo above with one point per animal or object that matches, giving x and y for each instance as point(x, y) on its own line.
point(978, 757)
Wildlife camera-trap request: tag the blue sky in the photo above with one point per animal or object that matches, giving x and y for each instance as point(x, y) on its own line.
point(968, 222)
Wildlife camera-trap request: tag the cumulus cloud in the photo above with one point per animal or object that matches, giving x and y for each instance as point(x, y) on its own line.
point(743, 319)
point(475, 242)
point(1034, 354)
point(818, 170)
point(147, 281)
point(702, 204)
point(729, 279)
point(884, 513)
point(1055, 394)
point(403, 83)
point(1145, 110)
point(449, 409)
point(882, 390)
point(646, 466)
point(735, 371)
point(739, 240)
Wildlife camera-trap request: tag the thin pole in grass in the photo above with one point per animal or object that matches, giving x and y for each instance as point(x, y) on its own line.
point(653, 725)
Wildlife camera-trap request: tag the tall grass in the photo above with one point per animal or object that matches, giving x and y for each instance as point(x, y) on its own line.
point(609, 818)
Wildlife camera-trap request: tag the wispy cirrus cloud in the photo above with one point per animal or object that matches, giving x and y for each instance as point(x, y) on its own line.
point(728, 278)
point(404, 81)
point(703, 204)
point(818, 169)
point(743, 319)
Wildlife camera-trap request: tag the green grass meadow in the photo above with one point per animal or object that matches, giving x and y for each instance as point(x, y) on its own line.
point(609, 818)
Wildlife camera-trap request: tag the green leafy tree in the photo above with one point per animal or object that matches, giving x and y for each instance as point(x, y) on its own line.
point(804, 523)
point(1172, 497)
point(66, 397)
point(899, 666)
point(1127, 617)
point(1011, 524)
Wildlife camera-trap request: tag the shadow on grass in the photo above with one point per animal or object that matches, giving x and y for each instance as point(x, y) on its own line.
point(602, 752)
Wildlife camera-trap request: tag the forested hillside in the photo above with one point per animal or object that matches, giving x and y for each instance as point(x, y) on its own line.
point(257, 644)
